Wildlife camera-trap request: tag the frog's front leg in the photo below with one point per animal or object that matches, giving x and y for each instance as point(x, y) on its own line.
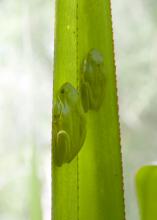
point(62, 148)
point(84, 90)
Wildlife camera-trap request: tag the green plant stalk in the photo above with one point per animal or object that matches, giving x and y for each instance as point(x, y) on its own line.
point(90, 187)
point(146, 185)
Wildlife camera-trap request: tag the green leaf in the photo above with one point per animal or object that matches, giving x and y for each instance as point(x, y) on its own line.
point(146, 184)
point(90, 187)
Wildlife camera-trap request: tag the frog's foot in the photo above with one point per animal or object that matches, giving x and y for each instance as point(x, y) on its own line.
point(82, 130)
point(62, 148)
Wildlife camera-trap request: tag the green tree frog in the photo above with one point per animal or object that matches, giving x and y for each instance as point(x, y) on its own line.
point(92, 81)
point(69, 125)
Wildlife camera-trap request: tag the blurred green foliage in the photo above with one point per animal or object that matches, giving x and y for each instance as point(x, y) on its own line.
point(146, 185)
point(34, 190)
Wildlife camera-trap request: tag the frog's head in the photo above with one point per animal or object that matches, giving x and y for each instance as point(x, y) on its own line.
point(95, 56)
point(68, 93)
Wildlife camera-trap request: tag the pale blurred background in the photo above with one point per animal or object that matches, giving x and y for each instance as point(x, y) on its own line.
point(135, 32)
point(26, 50)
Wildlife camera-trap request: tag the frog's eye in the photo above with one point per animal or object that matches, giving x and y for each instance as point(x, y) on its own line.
point(62, 91)
point(66, 87)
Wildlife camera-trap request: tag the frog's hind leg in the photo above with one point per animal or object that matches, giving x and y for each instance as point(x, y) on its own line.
point(85, 96)
point(83, 131)
point(95, 98)
point(62, 148)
